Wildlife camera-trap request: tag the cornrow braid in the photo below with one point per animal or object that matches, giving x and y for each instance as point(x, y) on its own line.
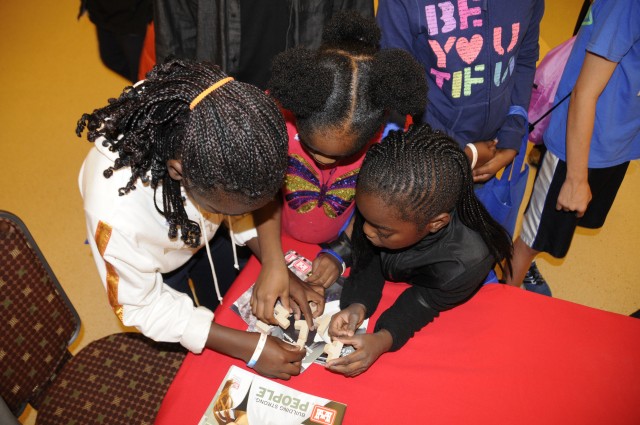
point(233, 140)
point(423, 173)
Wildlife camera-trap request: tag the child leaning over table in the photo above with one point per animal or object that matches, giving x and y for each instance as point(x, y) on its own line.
point(418, 221)
point(174, 156)
point(336, 99)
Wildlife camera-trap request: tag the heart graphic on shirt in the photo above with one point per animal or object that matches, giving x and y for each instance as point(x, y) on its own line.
point(469, 50)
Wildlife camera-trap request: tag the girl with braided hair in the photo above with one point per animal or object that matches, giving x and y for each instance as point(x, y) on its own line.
point(175, 156)
point(418, 221)
point(336, 100)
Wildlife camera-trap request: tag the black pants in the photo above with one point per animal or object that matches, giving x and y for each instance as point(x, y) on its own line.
point(198, 270)
point(121, 52)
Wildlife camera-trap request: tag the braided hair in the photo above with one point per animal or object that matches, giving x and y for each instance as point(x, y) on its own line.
point(348, 84)
point(424, 173)
point(233, 140)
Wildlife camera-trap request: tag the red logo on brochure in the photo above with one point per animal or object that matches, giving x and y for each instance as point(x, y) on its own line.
point(323, 415)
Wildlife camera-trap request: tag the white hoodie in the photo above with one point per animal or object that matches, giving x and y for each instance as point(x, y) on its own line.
point(130, 244)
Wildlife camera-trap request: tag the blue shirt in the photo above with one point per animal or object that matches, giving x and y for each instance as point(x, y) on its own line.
point(479, 56)
point(611, 30)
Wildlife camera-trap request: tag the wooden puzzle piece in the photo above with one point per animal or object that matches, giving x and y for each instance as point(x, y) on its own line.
point(333, 350)
point(282, 316)
point(322, 325)
point(265, 328)
point(303, 332)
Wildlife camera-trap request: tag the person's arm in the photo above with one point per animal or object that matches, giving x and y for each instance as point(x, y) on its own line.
point(514, 128)
point(277, 359)
point(273, 281)
point(141, 299)
point(419, 304)
point(364, 286)
point(334, 258)
point(595, 73)
point(415, 308)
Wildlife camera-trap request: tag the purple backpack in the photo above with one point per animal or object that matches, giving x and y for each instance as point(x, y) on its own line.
point(545, 86)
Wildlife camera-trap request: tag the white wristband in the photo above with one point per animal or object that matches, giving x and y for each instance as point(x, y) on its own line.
point(474, 152)
point(256, 354)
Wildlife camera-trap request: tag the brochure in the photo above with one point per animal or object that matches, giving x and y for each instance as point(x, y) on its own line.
point(245, 398)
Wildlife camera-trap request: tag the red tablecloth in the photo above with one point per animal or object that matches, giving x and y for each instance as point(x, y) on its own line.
point(505, 357)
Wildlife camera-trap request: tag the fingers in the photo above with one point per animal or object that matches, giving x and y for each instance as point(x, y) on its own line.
point(339, 327)
point(284, 299)
point(289, 370)
point(324, 271)
point(480, 178)
point(305, 309)
point(315, 271)
point(561, 206)
point(350, 365)
point(319, 311)
point(308, 316)
point(263, 310)
point(295, 308)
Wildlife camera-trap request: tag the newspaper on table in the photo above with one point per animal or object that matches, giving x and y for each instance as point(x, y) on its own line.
point(246, 398)
point(301, 267)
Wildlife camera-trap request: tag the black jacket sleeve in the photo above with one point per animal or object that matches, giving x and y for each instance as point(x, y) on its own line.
point(418, 305)
point(364, 286)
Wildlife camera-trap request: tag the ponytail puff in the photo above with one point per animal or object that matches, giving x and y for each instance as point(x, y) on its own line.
point(298, 83)
point(398, 82)
point(350, 28)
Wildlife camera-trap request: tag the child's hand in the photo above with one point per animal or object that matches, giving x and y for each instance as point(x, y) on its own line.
point(279, 359)
point(324, 271)
point(502, 158)
point(272, 283)
point(486, 151)
point(345, 322)
point(368, 348)
point(575, 195)
point(303, 294)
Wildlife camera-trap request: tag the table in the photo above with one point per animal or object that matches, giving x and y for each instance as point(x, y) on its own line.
point(507, 356)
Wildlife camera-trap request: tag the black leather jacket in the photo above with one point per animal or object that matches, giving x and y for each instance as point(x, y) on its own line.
point(211, 30)
point(444, 269)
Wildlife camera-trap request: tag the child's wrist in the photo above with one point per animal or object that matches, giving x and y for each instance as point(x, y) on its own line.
point(474, 154)
point(336, 256)
point(385, 338)
point(258, 351)
point(359, 309)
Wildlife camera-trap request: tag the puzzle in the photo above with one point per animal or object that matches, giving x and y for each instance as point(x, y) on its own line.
point(316, 342)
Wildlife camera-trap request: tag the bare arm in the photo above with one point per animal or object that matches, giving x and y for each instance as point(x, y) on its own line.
point(278, 359)
point(575, 193)
point(273, 280)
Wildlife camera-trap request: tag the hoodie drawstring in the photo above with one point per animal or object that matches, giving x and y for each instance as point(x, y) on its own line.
point(206, 244)
point(208, 248)
point(233, 247)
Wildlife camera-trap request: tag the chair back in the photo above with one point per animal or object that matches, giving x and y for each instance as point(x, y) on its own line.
point(37, 320)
